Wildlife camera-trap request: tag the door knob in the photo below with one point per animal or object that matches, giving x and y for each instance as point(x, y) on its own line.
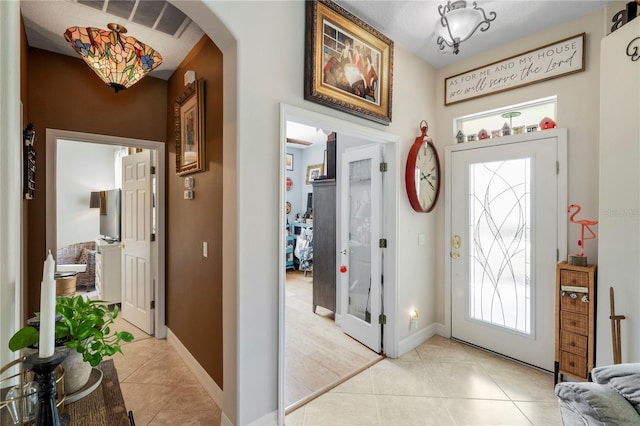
point(456, 241)
point(455, 255)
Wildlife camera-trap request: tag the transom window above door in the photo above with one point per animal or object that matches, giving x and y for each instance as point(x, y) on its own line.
point(517, 117)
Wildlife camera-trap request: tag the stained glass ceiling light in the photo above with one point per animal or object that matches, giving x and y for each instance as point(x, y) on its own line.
point(119, 60)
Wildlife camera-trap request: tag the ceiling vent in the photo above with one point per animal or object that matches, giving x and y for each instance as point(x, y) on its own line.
point(158, 15)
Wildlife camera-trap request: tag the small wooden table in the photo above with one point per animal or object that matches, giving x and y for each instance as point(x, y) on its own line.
point(104, 406)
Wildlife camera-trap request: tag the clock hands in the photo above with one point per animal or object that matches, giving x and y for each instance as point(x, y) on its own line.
point(428, 177)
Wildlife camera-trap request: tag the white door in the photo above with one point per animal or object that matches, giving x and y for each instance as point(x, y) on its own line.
point(504, 245)
point(361, 280)
point(137, 289)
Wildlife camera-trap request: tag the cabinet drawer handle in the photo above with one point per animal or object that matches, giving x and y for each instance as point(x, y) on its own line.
point(572, 343)
point(572, 364)
point(573, 323)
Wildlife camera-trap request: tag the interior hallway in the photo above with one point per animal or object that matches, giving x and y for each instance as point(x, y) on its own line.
point(441, 382)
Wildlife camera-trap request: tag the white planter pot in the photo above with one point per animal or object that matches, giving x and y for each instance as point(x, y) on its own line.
point(76, 372)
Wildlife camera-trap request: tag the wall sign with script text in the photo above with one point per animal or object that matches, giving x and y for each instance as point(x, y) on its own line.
point(544, 63)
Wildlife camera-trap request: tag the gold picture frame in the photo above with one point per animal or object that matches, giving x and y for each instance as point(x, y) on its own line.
point(189, 129)
point(348, 64)
point(314, 171)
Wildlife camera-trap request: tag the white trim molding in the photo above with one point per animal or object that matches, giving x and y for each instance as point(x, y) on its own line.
point(209, 385)
point(416, 339)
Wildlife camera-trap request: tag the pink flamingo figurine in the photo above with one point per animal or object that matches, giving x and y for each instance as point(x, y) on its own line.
point(584, 224)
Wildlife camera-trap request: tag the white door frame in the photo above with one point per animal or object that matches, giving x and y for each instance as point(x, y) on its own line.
point(52, 137)
point(561, 134)
point(391, 187)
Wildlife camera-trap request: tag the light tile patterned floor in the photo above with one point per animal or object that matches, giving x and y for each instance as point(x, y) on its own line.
point(157, 385)
point(441, 382)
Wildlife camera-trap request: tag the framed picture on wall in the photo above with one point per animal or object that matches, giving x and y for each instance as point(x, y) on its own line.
point(289, 162)
point(313, 172)
point(348, 63)
point(189, 127)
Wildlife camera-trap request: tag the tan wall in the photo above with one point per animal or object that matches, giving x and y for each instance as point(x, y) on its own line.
point(194, 283)
point(63, 93)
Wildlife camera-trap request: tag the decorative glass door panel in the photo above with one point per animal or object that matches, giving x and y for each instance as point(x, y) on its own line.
point(360, 254)
point(359, 244)
point(499, 252)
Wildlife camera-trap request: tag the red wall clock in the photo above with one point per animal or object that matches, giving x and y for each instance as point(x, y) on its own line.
point(422, 175)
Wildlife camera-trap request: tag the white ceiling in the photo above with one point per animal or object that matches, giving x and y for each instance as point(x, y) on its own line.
point(412, 23)
point(409, 23)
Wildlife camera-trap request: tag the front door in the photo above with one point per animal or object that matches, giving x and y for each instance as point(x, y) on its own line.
point(137, 288)
point(360, 255)
point(504, 242)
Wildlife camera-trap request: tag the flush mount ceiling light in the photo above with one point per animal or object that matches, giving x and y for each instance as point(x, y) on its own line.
point(459, 23)
point(119, 60)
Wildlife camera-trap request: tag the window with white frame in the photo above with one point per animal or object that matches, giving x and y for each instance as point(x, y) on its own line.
point(518, 118)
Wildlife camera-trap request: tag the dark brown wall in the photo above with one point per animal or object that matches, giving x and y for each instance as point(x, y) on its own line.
point(194, 283)
point(63, 93)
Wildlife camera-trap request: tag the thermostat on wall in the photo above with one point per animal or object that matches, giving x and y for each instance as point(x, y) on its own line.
point(188, 183)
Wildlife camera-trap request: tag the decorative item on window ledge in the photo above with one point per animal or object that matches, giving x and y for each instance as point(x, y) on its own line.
point(29, 162)
point(119, 60)
point(459, 23)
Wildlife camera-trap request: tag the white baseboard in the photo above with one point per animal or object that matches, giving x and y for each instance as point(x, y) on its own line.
point(209, 385)
point(417, 338)
point(441, 330)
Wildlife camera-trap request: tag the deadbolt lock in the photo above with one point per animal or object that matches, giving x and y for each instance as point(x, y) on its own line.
point(455, 241)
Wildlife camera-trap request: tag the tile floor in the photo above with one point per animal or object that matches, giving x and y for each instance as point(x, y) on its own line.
point(441, 382)
point(157, 385)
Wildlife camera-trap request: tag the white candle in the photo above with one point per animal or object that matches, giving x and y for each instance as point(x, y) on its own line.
point(47, 309)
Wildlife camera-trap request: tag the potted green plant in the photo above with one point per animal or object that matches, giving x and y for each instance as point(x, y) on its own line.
point(85, 328)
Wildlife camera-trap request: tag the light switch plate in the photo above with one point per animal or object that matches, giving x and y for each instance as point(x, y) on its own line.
point(188, 194)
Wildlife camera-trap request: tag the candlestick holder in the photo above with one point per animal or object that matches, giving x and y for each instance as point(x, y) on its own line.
point(44, 370)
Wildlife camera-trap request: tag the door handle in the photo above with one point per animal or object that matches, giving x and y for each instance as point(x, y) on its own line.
point(454, 255)
point(456, 241)
point(122, 246)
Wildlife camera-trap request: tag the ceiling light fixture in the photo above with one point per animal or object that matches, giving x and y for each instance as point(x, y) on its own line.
point(119, 60)
point(459, 23)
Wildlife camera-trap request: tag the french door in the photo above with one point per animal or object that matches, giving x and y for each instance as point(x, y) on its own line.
point(360, 254)
point(505, 235)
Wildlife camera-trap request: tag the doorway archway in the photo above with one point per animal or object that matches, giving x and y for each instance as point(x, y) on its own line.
point(352, 130)
point(52, 138)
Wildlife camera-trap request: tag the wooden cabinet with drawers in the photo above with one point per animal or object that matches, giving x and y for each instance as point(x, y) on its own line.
point(575, 321)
